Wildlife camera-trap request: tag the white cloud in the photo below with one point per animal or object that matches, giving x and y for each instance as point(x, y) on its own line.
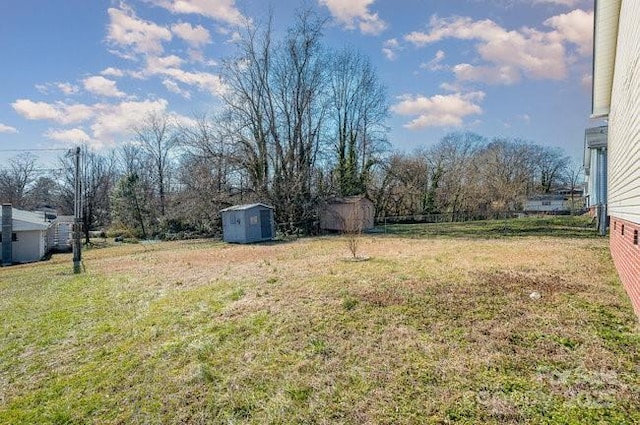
point(534, 53)
point(452, 87)
point(196, 36)
point(102, 86)
point(169, 66)
point(67, 88)
point(134, 35)
point(59, 112)
point(35, 110)
point(115, 121)
point(557, 2)
point(7, 129)
point(390, 48)
point(157, 65)
point(354, 13)
point(109, 123)
point(173, 87)
point(525, 118)
point(435, 63)
point(586, 81)
point(575, 27)
point(74, 135)
point(439, 110)
point(205, 81)
point(219, 10)
point(112, 72)
point(506, 75)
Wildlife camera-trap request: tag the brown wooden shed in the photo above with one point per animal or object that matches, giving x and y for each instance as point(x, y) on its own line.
point(348, 213)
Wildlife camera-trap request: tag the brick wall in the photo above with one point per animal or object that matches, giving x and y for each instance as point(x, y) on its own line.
point(625, 249)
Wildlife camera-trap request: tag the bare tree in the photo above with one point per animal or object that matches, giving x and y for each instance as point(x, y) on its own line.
point(506, 167)
point(551, 167)
point(132, 198)
point(209, 175)
point(352, 229)
point(98, 175)
point(574, 178)
point(157, 138)
point(358, 109)
point(276, 107)
point(16, 178)
point(453, 164)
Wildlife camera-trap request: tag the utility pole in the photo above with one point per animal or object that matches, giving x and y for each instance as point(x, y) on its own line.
point(77, 222)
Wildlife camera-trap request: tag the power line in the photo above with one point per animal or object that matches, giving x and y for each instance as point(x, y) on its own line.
point(33, 150)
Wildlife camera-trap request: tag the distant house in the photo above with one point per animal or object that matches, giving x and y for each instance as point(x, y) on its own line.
point(595, 171)
point(616, 97)
point(60, 233)
point(347, 214)
point(549, 204)
point(24, 235)
point(248, 223)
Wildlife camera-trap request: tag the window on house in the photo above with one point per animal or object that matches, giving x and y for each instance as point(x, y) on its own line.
point(14, 237)
point(615, 225)
point(546, 203)
point(622, 230)
point(635, 237)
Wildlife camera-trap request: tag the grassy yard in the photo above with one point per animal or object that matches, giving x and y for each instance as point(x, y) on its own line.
point(437, 326)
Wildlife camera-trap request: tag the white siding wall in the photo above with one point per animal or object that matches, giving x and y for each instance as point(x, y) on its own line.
point(624, 119)
point(29, 246)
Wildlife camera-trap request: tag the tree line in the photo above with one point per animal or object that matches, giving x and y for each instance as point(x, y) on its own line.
point(299, 123)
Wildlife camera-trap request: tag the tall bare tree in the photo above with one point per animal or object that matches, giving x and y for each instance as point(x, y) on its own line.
point(277, 105)
point(358, 109)
point(16, 178)
point(156, 135)
point(453, 164)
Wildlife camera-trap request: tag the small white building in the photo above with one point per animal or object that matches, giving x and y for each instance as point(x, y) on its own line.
point(24, 235)
point(60, 233)
point(549, 204)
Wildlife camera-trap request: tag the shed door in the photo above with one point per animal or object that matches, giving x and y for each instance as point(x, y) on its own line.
point(265, 224)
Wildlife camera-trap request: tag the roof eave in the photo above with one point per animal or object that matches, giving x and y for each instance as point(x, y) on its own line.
point(605, 36)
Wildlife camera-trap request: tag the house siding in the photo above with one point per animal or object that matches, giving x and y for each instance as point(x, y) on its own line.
point(624, 125)
point(29, 247)
point(624, 152)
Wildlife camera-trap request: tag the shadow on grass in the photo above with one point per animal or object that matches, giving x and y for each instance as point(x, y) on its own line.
point(561, 227)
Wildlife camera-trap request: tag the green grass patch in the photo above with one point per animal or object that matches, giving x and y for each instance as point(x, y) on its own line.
point(553, 226)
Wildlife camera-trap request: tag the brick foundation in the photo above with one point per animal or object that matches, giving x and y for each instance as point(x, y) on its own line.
point(625, 249)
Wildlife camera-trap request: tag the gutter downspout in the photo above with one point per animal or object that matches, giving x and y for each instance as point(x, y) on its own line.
point(602, 191)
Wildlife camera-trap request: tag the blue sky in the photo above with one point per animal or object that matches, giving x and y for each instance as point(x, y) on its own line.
point(78, 71)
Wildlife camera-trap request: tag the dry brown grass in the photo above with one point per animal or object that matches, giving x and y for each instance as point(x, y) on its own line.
point(426, 331)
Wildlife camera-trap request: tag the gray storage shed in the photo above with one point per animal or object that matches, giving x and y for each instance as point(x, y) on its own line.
point(248, 223)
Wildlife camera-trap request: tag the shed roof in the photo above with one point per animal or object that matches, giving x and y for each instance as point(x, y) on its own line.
point(24, 221)
point(546, 198)
point(65, 219)
point(245, 207)
point(347, 199)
